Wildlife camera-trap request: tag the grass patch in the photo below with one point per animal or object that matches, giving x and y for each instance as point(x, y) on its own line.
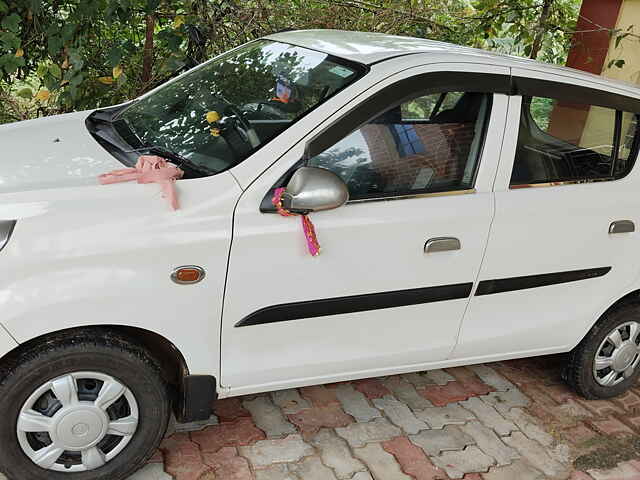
point(611, 453)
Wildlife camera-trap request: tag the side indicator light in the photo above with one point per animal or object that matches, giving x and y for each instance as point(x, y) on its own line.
point(187, 274)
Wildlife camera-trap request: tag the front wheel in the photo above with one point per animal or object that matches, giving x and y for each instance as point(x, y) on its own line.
point(605, 363)
point(82, 408)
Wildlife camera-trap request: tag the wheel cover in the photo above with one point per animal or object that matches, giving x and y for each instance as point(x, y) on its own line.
point(77, 422)
point(618, 355)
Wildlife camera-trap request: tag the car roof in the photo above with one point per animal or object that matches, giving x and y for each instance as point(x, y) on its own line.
point(369, 48)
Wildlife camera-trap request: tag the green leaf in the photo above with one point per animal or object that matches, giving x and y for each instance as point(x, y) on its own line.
point(54, 70)
point(10, 63)
point(54, 45)
point(3, 7)
point(25, 93)
point(11, 23)
point(619, 63)
point(10, 41)
point(114, 56)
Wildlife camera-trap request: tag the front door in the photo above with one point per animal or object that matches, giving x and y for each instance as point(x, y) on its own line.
point(398, 262)
point(560, 250)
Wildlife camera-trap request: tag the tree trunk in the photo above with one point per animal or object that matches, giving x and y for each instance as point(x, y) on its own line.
point(540, 30)
point(147, 55)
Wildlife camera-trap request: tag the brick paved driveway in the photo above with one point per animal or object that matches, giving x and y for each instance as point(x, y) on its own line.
point(507, 420)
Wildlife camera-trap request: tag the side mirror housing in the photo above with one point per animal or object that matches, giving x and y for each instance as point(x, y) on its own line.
point(312, 189)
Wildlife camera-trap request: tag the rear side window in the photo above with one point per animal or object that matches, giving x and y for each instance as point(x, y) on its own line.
point(560, 141)
point(429, 144)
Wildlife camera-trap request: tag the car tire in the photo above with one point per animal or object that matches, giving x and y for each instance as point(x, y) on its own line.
point(99, 399)
point(606, 362)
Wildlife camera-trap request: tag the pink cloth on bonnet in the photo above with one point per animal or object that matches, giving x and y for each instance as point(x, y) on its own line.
point(149, 169)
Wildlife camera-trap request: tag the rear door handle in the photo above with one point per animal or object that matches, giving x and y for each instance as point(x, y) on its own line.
point(622, 226)
point(442, 244)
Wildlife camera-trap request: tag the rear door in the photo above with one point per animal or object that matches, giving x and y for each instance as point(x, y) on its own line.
point(398, 262)
point(561, 247)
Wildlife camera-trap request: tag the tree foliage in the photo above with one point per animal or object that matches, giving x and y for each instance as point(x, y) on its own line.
point(63, 55)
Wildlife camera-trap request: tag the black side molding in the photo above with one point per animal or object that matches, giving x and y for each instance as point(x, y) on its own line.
point(488, 287)
point(198, 395)
point(355, 303)
point(6, 229)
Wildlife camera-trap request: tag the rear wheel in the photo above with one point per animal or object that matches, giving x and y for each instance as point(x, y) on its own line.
point(87, 408)
point(605, 363)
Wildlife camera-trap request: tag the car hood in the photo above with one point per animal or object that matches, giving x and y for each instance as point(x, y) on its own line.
point(51, 152)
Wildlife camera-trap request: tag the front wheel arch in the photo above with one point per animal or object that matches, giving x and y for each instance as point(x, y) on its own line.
point(170, 359)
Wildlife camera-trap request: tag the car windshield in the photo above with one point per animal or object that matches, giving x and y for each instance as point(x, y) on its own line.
point(218, 114)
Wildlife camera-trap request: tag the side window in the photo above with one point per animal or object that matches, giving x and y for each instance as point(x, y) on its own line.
point(429, 144)
point(561, 141)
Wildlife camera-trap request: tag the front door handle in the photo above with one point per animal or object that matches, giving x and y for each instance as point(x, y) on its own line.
point(622, 226)
point(441, 244)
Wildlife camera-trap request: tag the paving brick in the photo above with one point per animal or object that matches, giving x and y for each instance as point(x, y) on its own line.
point(356, 404)
point(438, 417)
point(195, 426)
point(319, 395)
point(535, 454)
point(580, 476)
point(504, 401)
point(628, 401)
point(268, 417)
point(439, 377)
point(289, 401)
point(182, 458)
point(492, 378)
point(336, 454)
point(601, 408)
point(359, 434)
point(151, 471)
point(280, 450)
point(441, 395)
point(516, 375)
point(570, 412)
point(240, 432)
point(632, 421)
point(311, 468)
point(399, 414)
point(560, 393)
point(381, 464)
point(579, 434)
point(469, 460)
point(529, 426)
point(228, 465)
point(419, 380)
point(371, 388)
point(406, 392)
point(275, 472)
point(490, 443)
point(311, 420)
point(489, 416)
point(519, 470)
point(362, 476)
point(611, 426)
point(412, 459)
point(623, 471)
point(433, 442)
point(228, 409)
point(462, 374)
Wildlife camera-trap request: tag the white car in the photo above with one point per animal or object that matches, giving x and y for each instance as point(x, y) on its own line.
point(491, 214)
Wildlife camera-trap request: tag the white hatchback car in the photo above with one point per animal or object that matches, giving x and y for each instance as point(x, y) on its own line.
point(446, 252)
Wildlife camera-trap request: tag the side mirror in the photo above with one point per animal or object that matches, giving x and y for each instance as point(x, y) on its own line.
point(312, 189)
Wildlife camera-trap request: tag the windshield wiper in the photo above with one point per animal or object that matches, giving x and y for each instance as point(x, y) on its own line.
point(175, 157)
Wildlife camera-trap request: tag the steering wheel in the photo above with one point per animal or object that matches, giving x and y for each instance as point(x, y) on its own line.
point(243, 127)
